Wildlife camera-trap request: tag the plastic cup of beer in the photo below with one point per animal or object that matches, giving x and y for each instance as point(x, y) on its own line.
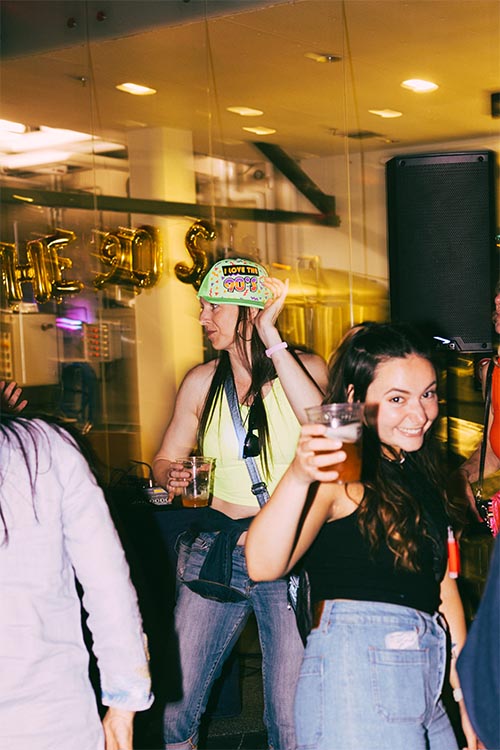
point(197, 492)
point(344, 422)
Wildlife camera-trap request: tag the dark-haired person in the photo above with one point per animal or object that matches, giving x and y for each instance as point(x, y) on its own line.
point(376, 554)
point(239, 307)
point(55, 528)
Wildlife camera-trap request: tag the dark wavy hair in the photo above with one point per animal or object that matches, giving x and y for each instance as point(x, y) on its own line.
point(389, 511)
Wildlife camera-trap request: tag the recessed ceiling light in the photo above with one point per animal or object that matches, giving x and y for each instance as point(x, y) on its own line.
point(260, 131)
point(135, 89)
point(245, 111)
point(419, 86)
point(323, 57)
point(386, 113)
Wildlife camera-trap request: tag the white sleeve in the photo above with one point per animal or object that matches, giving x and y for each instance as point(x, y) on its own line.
point(95, 551)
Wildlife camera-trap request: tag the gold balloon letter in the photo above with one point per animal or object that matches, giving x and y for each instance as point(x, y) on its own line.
point(134, 255)
point(47, 265)
point(10, 288)
point(198, 235)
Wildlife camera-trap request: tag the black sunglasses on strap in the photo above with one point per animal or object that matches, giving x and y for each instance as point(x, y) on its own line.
point(251, 446)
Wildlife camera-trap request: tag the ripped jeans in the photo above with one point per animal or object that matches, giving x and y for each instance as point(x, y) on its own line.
point(207, 631)
point(371, 678)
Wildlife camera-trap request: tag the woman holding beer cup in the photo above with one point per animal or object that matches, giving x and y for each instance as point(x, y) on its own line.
point(384, 596)
point(239, 306)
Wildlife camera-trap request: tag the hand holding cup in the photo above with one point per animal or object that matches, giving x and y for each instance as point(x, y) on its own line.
point(318, 456)
point(343, 422)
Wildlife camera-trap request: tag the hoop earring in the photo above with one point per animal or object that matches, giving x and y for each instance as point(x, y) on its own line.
point(240, 335)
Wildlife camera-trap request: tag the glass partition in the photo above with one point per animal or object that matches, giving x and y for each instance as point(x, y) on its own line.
point(108, 199)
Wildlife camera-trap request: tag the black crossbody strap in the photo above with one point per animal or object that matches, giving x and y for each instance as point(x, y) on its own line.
point(487, 404)
point(259, 488)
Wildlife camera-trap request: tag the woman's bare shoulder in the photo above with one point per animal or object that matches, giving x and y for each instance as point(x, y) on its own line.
point(197, 380)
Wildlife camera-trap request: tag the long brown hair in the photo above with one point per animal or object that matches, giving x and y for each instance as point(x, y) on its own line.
point(389, 511)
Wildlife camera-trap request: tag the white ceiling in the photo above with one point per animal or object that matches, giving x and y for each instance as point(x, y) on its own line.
point(256, 57)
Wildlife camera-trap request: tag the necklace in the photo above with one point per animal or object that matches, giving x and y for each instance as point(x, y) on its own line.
point(399, 461)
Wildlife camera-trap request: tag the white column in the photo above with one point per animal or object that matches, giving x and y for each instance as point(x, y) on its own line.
point(169, 339)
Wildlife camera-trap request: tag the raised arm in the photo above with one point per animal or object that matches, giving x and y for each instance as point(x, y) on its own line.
point(179, 439)
point(287, 525)
point(300, 390)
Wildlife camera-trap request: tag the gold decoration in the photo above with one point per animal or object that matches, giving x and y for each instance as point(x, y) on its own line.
point(47, 266)
point(10, 274)
point(134, 255)
point(198, 236)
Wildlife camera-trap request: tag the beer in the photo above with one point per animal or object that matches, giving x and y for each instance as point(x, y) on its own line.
point(344, 422)
point(350, 469)
point(196, 494)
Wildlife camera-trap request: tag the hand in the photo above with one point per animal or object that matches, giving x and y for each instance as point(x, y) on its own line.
point(473, 742)
point(317, 455)
point(118, 725)
point(266, 318)
point(10, 394)
point(178, 478)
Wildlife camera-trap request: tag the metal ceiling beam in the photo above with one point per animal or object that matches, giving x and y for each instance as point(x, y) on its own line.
point(293, 172)
point(90, 202)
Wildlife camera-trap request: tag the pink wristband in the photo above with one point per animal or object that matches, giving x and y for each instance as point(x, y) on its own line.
point(276, 348)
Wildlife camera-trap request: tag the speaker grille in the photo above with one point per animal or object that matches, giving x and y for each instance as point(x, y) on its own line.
point(442, 257)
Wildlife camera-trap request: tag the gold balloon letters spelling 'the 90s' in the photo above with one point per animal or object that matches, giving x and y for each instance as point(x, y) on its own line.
point(134, 255)
point(198, 236)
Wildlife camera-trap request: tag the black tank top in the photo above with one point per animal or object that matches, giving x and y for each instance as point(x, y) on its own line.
point(341, 565)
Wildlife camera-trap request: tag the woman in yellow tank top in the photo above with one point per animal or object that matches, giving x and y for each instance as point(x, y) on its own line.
point(239, 307)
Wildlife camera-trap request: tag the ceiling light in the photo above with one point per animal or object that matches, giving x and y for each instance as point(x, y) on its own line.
point(419, 86)
point(386, 113)
point(6, 126)
point(260, 131)
point(245, 111)
point(32, 159)
point(135, 89)
point(24, 198)
point(323, 57)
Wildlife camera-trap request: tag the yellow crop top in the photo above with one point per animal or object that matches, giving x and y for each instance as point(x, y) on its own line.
point(232, 482)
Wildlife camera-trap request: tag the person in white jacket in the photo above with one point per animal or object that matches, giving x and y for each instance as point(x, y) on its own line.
point(55, 530)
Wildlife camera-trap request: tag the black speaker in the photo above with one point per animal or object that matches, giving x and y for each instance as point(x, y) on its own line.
point(443, 259)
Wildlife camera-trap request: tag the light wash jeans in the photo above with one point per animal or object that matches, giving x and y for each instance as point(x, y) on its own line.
point(371, 679)
point(207, 630)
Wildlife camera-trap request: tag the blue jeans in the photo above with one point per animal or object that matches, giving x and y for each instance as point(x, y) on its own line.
point(371, 678)
point(207, 630)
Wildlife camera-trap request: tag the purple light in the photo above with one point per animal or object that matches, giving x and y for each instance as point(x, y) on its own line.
point(69, 324)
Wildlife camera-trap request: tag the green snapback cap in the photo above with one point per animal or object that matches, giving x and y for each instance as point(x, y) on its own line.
point(235, 281)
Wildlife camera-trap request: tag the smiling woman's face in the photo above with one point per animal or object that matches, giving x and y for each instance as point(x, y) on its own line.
point(404, 394)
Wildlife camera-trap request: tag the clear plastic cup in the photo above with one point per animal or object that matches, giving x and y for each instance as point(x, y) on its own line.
point(198, 491)
point(345, 422)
